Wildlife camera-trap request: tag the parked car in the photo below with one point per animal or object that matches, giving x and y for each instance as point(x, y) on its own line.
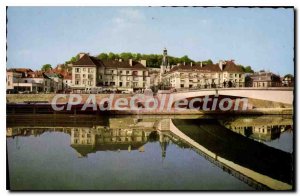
point(128, 91)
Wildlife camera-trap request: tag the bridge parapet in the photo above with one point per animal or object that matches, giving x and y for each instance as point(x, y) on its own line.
point(283, 95)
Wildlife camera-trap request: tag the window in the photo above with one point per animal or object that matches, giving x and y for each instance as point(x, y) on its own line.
point(77, 82)
point(135, 73)
point(77, 70)
point(83, 75)
point(84, 69)
point(77, 76)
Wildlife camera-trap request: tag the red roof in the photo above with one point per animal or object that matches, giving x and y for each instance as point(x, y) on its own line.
point(90, 61)
point(229, 66)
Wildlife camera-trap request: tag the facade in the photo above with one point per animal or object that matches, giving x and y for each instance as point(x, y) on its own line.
point(89, 71)
point(67, 82)
point(11, 80)
point(155, 76)
point(20, 80)
point(265, 79)
point(56, 83)
point(196, 75)
point(224, 74)
point(288, 81)
point(23, 80)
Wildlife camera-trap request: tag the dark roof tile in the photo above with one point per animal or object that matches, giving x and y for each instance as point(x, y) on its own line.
point(90, 61)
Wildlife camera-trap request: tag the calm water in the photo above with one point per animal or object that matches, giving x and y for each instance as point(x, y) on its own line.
point(143, 153)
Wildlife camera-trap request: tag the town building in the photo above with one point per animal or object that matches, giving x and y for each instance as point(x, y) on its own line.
point(22, 80)
point(119, 74)
point(56, 81)
point(192, 75)
point(263, 79)
point(12, 79)
point(288, 81)
point(65, 73)
point(67, 82)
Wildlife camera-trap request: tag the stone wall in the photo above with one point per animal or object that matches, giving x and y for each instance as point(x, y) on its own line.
point(22, 98)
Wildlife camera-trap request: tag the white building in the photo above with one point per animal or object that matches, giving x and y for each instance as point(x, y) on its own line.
point(89, 71)
point(192, 75)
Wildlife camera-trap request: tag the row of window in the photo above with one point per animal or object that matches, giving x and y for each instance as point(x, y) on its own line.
point(84, 82)
point(89, 70)
point(89, 76)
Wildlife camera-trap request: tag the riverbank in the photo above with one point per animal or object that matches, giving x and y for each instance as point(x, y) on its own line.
point(41, 104)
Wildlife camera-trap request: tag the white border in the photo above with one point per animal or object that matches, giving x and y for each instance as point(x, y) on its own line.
point(5, 3)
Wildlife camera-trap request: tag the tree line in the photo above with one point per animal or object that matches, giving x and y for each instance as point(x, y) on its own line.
point(153, 60)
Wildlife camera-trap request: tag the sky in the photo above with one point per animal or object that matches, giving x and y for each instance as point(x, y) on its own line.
point(260, 37)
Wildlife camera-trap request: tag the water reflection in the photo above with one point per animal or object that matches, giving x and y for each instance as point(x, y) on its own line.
point(263, 129)
point(208, 137)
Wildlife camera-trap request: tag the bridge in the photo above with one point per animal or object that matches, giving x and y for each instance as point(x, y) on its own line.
point(262, 174)
point(283, 95)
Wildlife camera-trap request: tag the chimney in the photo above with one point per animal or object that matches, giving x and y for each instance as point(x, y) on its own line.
point(81, 54)
point(201, 64)
point(120, 60)
point(130, 62)
point(191, 64)
point(221, 64)
point(184, 63)
point(178, 64)
point(143, 62)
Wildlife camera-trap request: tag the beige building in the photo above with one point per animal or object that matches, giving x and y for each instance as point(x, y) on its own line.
point(265, 79)
point(89, 71)
point(12, 78)
point(197, 75)
point(224, 74)
point(26, 80)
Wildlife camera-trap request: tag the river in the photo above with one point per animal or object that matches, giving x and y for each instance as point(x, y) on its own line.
point(89, 152)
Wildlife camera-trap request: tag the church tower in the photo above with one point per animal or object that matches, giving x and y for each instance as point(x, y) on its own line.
point(165, 57)
point(164, 64)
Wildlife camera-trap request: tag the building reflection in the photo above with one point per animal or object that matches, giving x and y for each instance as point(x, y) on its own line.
point(117, 134)
point(262, 129)
point(211, 138)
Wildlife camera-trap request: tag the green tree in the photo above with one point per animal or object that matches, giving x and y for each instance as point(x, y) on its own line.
point(126, 55)
point(207, 62)
point(112, 56)
point(248, 69)
point(73, 59)
point(185, 59)
point(102, 56)
point(289, 76)
point(46, 67)
point(138, 56)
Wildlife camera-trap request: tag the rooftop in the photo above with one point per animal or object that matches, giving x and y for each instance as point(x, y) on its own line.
point(90, 61)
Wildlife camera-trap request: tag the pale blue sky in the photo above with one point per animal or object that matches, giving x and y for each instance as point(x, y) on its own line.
point(262, 38)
